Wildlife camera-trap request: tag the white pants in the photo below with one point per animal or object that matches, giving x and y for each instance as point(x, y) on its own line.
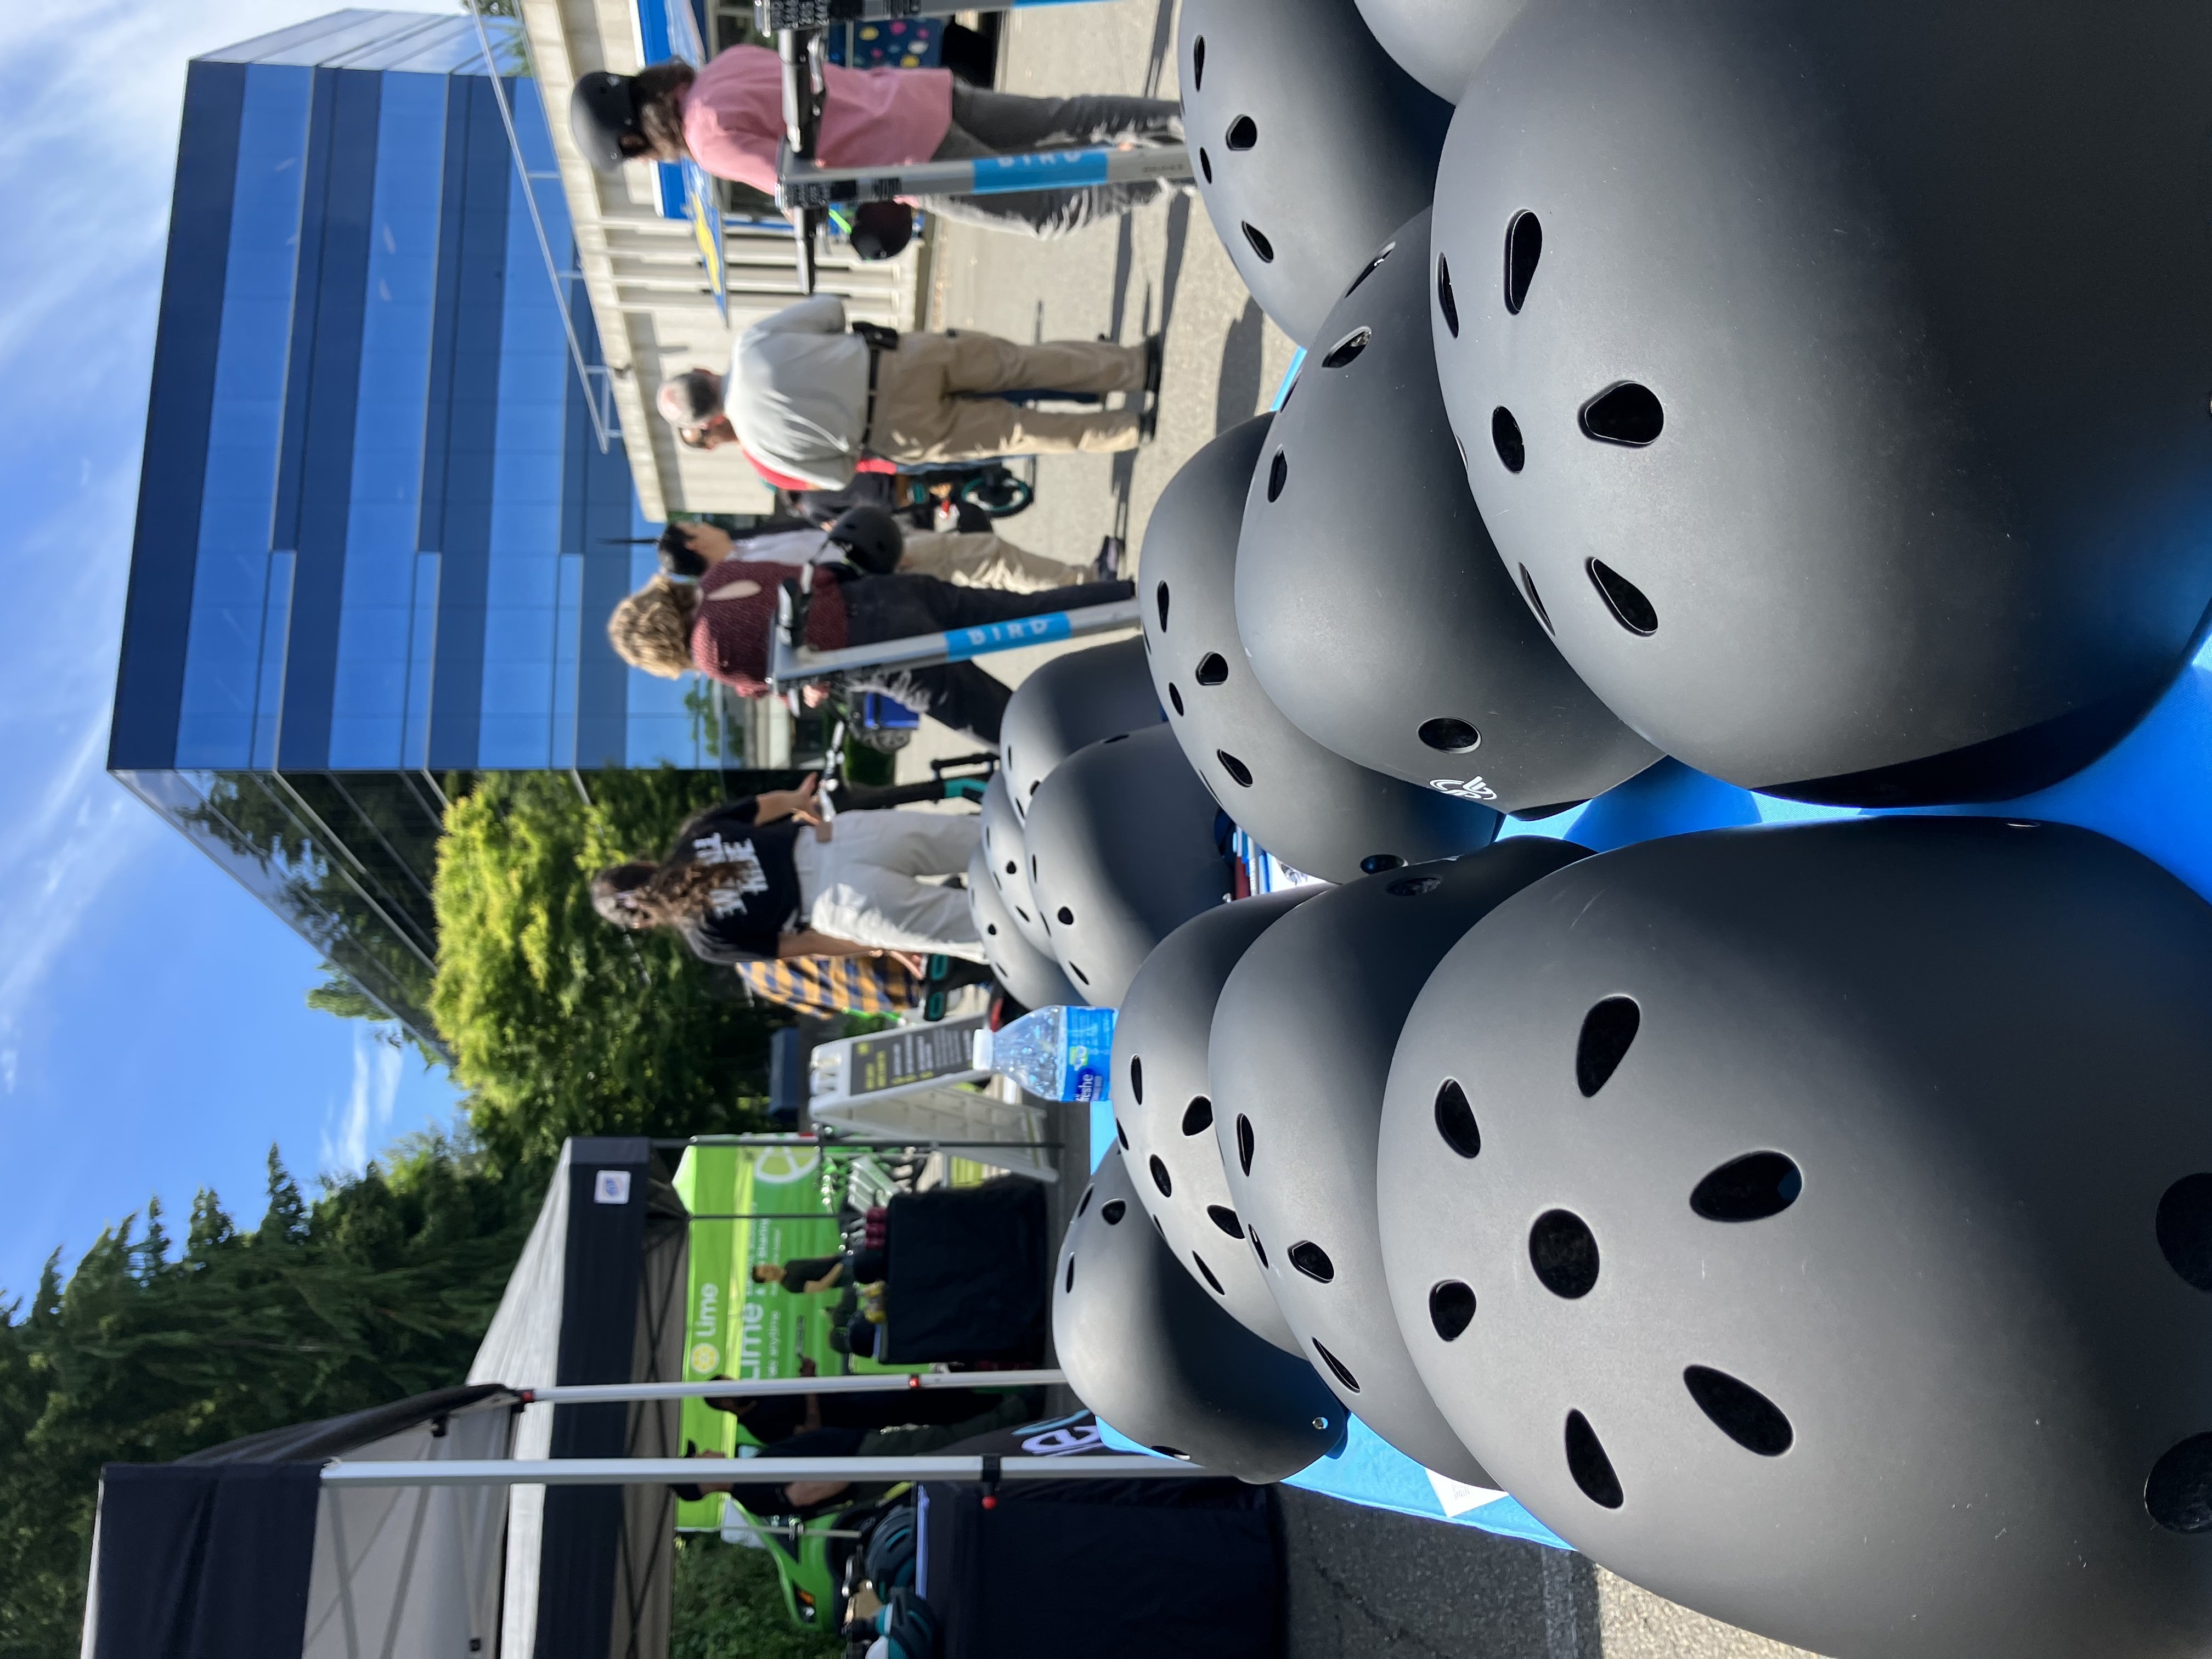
point(863, 883)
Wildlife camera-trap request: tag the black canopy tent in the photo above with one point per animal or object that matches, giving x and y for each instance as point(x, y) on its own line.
point(244, 1552)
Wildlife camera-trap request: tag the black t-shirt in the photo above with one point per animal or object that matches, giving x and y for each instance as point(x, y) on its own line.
point(761, 903)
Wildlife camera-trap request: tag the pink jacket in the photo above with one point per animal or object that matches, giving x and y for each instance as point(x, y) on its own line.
point(733, 116)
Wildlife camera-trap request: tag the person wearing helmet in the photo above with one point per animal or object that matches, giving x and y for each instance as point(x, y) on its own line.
point(728, 118)
point(869, 540)
point(814, 400)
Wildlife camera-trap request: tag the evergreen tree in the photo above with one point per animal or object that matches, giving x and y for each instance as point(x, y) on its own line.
point(379, 1289)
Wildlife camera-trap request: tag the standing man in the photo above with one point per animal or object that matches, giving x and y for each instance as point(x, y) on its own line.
point(809, 399)
point(728, 118)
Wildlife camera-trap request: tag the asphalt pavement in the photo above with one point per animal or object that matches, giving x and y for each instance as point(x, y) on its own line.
point(1365, 1583)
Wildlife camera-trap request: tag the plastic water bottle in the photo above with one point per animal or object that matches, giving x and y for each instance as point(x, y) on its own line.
point(1060, 1054)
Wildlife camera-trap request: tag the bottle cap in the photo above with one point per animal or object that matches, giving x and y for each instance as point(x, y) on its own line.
point(979, 1053)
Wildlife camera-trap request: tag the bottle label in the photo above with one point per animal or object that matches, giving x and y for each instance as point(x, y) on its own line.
point(1088, 1048)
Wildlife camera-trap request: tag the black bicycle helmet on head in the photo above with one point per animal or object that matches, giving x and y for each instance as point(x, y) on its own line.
point(871, 537)
point(601, 109)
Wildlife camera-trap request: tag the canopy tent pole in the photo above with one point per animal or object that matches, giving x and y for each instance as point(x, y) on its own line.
point(686, 1471)
point(570, 1394)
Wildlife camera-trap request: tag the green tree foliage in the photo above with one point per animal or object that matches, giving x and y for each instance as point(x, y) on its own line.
point(727, 1605)
point(559, 1024)
point(379, 1288)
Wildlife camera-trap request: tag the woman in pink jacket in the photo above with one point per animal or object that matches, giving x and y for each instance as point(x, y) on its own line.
point(728, 118)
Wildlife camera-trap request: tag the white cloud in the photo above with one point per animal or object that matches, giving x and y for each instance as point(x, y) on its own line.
point(352, 1133)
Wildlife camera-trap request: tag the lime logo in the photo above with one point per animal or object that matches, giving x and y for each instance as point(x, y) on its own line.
point(705, 1359)
point(779, 1166)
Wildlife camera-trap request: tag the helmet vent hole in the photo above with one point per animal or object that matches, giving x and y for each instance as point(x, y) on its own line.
point(1087, 1193)
point(1451, 1309)
point(1348, 348)
point(1112, 1211)
point(2179, 1493)
point(992, 929)
point(1236, 769)
point(1453, 737)
point(1608, 1031)
point(1445, 304)
point(1205, 164)
point(1176, 698)
point(1137, 1078)
point(1338, 1369)
point(1160, 1177)
point(1278, 474)
point(1081, 978)
point(1414, 886)
point(1456, 1120)
point(1376, 863)
point(1210, 1280)
point(2185, 1228)
point(1309, 1259)
point(1524, 247)
point(1260, 245)
point(1587, 1462)
point(1624, 598)
point(1160, 604)
point(1244, 1143)
point(1751, 1189)
point(1258, 1249)
point(1212, 669)
point(1372, 266)
point(1740, 1411)
point(1069, 1287)
point(1067, 916)
point(1628, 415)
point(1121, 1135)
point(1243, 133)
point(1198, 1117)
point(1225, 1219)
point(1197, 81)
point(1536, 599)
point(1505, 439)
point(1564, 1253)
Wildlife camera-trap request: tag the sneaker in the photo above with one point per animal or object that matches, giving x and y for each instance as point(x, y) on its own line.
point(1107, 566)
point(1155, 355)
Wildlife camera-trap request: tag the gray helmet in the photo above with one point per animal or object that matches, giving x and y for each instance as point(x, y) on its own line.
point(602, 111)
point(1164, 1106)
point(1311, 145)
point(1431, 664)
point(1927, 526)
point(1151, 1354)
point(1307, 805)
point(1026, 974)
point(1075, 699)
point(1302, 1039)
point(1440, 43)
point(871, 538)
point(1123, 850)
point(1813, 1224)
point(1008, 863)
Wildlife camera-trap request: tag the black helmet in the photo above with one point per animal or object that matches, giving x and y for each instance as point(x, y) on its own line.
point(881, 230)
point(601, 109)
point(872, 537)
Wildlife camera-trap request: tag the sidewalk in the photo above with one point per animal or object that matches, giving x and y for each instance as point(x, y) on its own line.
point(1163, 270)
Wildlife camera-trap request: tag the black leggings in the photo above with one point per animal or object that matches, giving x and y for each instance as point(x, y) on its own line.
point(958, 695)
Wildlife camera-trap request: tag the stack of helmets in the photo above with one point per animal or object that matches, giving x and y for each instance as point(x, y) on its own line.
point(1163, 1110)
point(1006, 862)
point(1813, 1224)
point(1369, 595)
point(1303, 1035)
point(1843, 412)
point(1308, 806)
point(1310, 144)
point(1125, 846)
point(1032, 977)
point(1154, 1355)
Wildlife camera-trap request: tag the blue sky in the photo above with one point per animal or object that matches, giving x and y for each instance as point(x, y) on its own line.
point(154, 1034)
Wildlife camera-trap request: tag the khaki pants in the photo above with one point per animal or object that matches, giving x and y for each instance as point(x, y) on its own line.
point(921, 414)
point(982, 560)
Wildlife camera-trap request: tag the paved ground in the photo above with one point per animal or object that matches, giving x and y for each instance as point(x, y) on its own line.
point(1364, 1583)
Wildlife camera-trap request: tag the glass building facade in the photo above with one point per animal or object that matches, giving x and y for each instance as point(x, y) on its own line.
point(379, 530)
